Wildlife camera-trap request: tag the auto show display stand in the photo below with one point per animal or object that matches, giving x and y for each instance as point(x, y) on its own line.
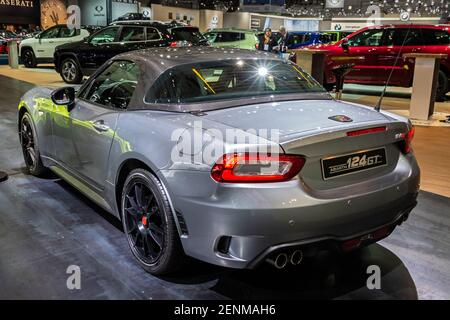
point(312, 61)
point(13, 54)
point(425, 84)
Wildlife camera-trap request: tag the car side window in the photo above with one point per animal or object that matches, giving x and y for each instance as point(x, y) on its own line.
point(433, 37)
point(153, 34)
point(114, 87)
point(403, 36)
point(50, 33)
point(105, 36)
point(229, 36)
point(132, 34)
point(68, 33)
point(369, 38)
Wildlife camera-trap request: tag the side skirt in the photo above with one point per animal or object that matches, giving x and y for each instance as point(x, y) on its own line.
point(82, 187)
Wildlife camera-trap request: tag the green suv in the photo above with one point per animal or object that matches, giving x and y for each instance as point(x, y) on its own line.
point(232, 38)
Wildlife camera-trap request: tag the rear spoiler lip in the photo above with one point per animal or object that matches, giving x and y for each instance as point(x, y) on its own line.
point(313, 136)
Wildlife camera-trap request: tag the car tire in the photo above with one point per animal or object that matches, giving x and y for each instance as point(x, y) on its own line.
point(149, 224)
point(70, 71)
point(30, 146)
point(443, 86)
point(29, 59)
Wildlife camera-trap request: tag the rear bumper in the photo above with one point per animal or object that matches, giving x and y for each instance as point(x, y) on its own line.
point(237, 226)
point(310, 247)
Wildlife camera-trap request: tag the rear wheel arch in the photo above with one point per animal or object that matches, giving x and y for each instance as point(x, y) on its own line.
point(63, 56)
point(125, 168)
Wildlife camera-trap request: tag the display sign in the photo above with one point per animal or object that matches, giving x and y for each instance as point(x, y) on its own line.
point(214, 22)
point(348, 26)
point(334, 4)
point(255, 23)
point(146, 12)
point(93, 12)
point(53, 12)
point(19, 11)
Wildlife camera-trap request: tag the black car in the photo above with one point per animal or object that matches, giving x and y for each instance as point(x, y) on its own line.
point(76, 60)
point(132, 16)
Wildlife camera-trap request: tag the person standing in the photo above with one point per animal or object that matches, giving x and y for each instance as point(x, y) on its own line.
point(281, 48)
point(267, 41)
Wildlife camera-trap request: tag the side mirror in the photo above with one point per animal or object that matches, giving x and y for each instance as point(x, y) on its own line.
point(64, 96)
point(344, 44)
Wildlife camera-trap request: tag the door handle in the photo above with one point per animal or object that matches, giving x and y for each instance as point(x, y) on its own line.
point(100, 126)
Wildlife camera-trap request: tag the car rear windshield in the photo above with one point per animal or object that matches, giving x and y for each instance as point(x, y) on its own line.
point(189, 34)
point(230, 79)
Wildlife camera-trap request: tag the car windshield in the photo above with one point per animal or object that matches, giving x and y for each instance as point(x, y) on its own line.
point(230, 79)
point(189, 34)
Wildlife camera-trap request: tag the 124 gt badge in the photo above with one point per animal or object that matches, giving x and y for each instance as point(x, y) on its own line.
point(350, 163)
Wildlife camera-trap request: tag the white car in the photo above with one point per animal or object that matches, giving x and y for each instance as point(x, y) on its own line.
point(41, 48)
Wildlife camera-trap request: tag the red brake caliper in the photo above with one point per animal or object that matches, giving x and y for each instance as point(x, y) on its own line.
point(144, 220)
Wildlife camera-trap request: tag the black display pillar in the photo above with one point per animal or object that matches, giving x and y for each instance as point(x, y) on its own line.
point(108, 11)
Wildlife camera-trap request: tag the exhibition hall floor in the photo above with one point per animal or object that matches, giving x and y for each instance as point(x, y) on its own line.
point(46, 226)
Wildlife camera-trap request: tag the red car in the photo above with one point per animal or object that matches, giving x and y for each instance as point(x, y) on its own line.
point(5, 37)
point(373, 51)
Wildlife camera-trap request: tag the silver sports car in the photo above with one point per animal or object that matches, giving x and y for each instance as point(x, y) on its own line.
point(232, 157)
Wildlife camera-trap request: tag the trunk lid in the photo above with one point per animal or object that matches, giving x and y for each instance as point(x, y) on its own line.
point(292, 118)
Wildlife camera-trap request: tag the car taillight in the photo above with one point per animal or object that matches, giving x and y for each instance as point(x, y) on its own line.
point(248, 167)
point(408, 140)
point(366, 131)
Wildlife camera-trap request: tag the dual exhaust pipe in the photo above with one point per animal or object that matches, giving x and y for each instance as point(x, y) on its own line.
point(281, 260)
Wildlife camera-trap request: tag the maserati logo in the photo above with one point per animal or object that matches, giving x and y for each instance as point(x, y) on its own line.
point(341, 118)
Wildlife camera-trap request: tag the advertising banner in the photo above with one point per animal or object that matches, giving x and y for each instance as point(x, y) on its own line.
point(19, 11)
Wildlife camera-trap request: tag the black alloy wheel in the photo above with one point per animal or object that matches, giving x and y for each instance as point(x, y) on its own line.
point(29, 59)
point(30, 147)
point(149, 224)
